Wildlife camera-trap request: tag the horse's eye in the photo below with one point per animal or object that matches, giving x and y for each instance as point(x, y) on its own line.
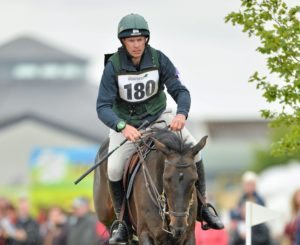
point(167, 178)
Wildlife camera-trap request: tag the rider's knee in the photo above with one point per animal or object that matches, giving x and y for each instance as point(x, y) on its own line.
point(114, 174)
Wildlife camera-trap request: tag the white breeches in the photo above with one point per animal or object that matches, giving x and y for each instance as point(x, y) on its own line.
point(117, 161)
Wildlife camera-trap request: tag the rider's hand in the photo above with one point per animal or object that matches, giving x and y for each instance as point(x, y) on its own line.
point(178, 122)
point(131, 133)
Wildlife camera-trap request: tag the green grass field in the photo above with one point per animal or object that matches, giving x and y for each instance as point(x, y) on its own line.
point(62, 193)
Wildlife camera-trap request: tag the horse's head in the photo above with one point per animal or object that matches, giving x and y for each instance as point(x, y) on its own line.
point(179, 177)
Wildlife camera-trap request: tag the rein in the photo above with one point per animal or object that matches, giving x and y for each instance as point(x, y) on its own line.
point(160, 199)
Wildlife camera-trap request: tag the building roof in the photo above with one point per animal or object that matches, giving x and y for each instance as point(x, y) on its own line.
point(32, 49)
point(71, 106)
point(68, 105)
point(8, 122)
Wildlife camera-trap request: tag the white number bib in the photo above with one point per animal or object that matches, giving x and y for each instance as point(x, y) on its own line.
point(137, 88)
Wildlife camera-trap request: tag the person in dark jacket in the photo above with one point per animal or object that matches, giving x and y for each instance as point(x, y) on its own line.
point(260, 233)
point(82, 228)
point(249, 192)
point(55, 230)
point(132, 91)
point(260, 236)
point(28, 224)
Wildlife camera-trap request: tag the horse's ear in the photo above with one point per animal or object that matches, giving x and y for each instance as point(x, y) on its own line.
point(199, 146)
point(161, 147)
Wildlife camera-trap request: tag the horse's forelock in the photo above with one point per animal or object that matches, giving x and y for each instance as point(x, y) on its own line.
point(173, 141)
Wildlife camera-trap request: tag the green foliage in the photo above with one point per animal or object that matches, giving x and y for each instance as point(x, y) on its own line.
point(278, 28)
point(264, 158)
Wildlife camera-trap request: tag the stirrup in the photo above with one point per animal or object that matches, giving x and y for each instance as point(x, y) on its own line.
point(207, 205)
point(115, 225)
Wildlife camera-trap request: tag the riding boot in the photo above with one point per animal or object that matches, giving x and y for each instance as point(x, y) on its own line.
point(119, 235)
point(204, 212)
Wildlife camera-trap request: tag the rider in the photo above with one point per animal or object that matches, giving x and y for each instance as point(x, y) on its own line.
point(132, 91)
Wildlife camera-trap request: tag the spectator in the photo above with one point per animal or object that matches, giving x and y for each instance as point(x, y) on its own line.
point(249, 193)
point(42, 216)
point(260, 233)
point(292, 229)
point(11, 233)
point(55, 230)
point(83, 225)
point(27, 223)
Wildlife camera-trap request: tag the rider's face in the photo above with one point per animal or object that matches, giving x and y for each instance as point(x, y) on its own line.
point(135, 46)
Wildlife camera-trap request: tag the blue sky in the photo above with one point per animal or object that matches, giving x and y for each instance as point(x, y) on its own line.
point(215, 59)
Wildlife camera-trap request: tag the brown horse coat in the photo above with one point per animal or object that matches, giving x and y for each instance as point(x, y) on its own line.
point(149, 224)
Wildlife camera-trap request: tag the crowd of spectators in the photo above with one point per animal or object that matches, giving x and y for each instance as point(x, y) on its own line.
point(261, 234)
point(53, 226)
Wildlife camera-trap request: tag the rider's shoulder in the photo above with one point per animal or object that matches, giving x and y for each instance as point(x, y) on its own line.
point(109, 68)
point(161, 55)
point(157, 51)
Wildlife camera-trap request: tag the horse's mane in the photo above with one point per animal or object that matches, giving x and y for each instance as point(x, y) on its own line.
point(172, 140)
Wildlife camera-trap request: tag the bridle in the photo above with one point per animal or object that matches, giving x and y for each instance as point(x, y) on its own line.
point(187, 212)
point(160, 199)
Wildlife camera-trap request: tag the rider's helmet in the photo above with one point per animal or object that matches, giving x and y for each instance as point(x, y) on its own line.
point(133, 25)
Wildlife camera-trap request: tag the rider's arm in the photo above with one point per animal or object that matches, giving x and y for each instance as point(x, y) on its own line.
point(169, 76)
point(107, 95)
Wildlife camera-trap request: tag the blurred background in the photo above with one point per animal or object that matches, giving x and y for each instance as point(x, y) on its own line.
point(51, 61)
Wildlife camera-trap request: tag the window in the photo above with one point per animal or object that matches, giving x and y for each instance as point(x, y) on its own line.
point(73, 71)
point(26, 71)
point(48, 71)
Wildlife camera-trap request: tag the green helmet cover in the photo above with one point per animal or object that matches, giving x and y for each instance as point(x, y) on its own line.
point(133, 25)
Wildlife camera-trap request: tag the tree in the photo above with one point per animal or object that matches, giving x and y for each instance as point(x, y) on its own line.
point(263, 158)
point(278, 29)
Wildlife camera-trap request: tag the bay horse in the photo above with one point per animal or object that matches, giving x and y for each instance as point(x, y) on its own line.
point(163, 202)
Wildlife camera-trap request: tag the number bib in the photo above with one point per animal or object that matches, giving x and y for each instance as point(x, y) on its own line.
point(138, 88)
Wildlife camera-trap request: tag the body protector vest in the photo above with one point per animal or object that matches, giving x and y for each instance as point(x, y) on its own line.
point(140, 92)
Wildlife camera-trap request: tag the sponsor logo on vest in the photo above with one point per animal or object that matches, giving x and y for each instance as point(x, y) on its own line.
point(137, 78)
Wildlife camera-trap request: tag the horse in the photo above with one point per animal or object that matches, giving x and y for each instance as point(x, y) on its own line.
point(163, 202)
